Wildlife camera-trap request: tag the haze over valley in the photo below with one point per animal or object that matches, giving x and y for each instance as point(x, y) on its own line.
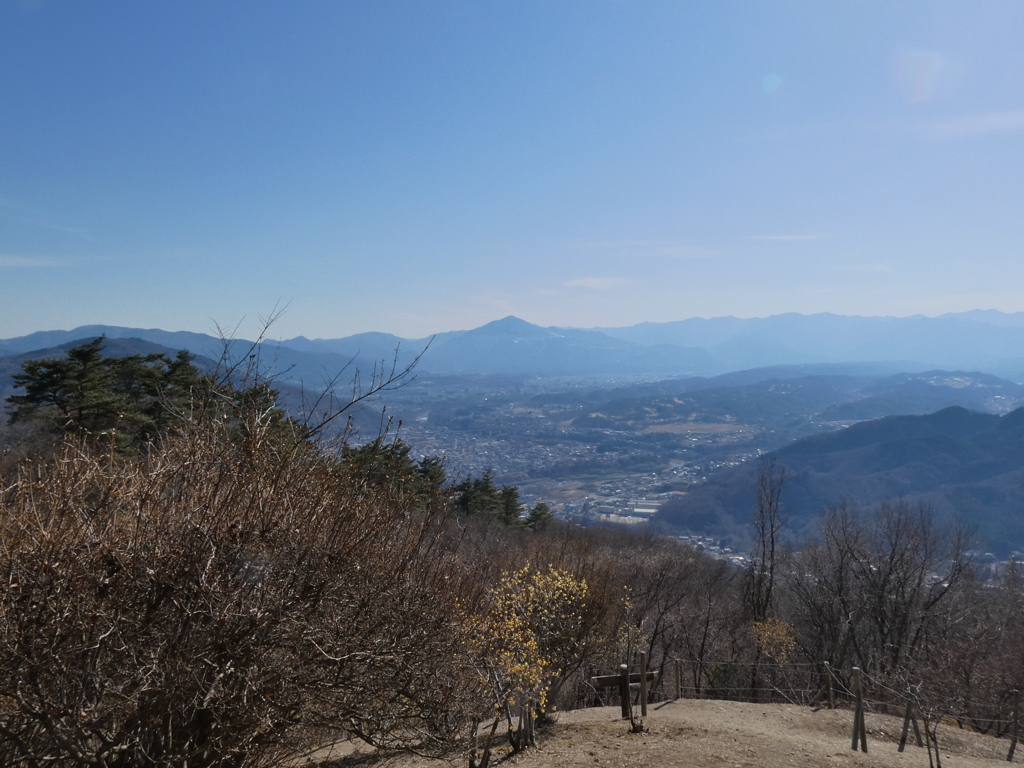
point(629, 248)
point(649, 425)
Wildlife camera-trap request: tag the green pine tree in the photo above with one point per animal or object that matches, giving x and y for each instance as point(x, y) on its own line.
point(132, 399)
point(540, 517)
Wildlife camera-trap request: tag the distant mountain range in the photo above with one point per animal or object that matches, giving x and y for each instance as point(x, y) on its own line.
point(983, 340)
point(967, 465)
point(980, 340)
point(778, 373)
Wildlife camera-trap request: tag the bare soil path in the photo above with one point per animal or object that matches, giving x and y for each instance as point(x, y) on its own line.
point(725, 734)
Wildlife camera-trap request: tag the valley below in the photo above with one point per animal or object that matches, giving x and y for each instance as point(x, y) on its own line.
point(654, 425)
point(681, 454)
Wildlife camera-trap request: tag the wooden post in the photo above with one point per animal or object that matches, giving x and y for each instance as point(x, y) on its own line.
point(679, 679)
point(859, 728)
point(917, 729)
point(906, 718)
point(643, 684)
point(622, 681)
point(863, 725)
point(913, 716)
point(828, 686)
point(856, 709)
point(624, 689)
point(1016, 718)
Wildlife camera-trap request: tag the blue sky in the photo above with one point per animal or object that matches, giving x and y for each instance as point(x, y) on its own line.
point(415, 167)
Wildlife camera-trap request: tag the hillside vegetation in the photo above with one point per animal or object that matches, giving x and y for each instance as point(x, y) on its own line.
point(967, 465)
point(236, 590)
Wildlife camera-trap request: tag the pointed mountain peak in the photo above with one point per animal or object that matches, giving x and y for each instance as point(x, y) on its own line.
point(509, 323)
point(511, 327)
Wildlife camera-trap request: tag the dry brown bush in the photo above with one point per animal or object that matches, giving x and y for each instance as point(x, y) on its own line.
point(219, 602)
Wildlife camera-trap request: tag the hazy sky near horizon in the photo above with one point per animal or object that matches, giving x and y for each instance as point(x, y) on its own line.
point(415, 167)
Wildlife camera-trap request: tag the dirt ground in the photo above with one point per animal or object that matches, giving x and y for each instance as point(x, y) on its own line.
point(723, 734)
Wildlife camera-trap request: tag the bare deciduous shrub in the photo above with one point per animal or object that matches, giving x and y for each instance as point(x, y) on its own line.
point(878, 588)
point(222, 602)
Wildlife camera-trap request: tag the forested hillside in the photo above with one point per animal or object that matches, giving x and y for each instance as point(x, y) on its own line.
point(968, 465)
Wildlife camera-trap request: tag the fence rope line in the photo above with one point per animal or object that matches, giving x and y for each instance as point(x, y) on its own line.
point(744, 663)
point(874, 681)
point(799, 683)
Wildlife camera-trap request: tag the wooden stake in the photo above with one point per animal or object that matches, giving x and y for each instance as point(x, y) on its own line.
point(859, 728)
point(906, 719)
point(913, 717)
point(1016, 717)
point(679, 679)
point(863, 730)
point(643, 684)
point(928, 740)
point(828, 683)
point(624, 689)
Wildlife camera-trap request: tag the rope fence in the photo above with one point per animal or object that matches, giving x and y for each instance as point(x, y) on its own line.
point(823, 686)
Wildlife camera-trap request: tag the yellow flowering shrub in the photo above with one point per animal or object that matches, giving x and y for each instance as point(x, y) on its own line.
point(533, 619)
point(776, 638)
